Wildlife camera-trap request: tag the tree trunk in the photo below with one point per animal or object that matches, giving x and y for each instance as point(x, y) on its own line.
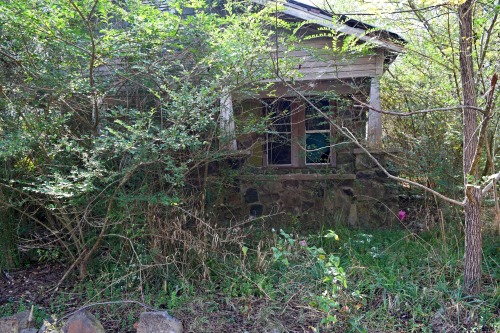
point(473, 239)
point(473, 242)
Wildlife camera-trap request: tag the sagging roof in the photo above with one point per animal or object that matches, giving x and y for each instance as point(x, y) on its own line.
point(341, 23)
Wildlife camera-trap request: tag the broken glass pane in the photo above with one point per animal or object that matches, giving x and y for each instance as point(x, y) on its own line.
point(279, 149)
point(317, 148)
point(315, 120)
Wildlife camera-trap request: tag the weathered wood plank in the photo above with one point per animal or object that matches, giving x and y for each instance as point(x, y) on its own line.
point(374, 131)
point(308, 62)
point(339, 69)
point(333, 75)
point(227, 122)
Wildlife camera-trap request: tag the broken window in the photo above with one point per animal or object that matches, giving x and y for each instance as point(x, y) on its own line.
point(279, 136)
point(298, 135)
point(317, 133)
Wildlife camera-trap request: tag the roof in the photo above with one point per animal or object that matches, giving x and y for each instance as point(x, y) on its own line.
point(341, 23)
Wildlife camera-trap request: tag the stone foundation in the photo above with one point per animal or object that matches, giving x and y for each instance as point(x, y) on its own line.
point(356, 192)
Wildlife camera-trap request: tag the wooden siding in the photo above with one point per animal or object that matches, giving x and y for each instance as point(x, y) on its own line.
point(316, 59)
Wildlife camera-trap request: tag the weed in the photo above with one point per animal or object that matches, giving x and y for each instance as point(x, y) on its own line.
point(344, 281)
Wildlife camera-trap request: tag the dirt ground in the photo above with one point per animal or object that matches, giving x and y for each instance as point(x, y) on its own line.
point(36, 286)
point(31, 285)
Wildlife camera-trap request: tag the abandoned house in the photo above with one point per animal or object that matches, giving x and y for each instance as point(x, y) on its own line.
point(303, 166)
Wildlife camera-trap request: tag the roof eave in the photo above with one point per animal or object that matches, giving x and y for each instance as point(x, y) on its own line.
point(326, 21)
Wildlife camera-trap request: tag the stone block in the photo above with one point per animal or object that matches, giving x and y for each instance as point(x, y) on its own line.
point(345, 158)
point(23, 319)
point(158, 322)
point(272, 186)
point(15, 323)
point(365, 175)
point(364, 162)
point(251, 195)
point(29, 330)
point(352, 220)
point(82, 322)
point(328, 203)
point(319, 191)
point(256, 210)
point(268, 199)
point(375, 214)
point(291, 201)
point(291, 184)
point(366, 189)
point(347, 168)
point(9, 325)
point(347, 191)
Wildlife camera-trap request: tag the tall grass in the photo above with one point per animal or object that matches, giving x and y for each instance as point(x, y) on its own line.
point(352, 280)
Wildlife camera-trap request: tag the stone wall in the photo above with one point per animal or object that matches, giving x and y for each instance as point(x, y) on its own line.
point(356, 191)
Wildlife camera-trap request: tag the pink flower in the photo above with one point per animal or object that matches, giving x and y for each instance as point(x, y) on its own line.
point(303, 243)
point(401, 215)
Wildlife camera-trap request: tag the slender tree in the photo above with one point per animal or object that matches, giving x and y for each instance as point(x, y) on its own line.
point(473, 196)
point(459, 58)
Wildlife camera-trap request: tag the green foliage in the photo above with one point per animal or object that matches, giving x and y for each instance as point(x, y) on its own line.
point(404, 279)
point(109, 110)
point(396, 281)
point(9, 256)
point(109, 124)
point(322, 267)
point(39, 313)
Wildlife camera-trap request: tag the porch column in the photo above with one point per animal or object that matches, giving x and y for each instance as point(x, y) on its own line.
point(227, 139)
point(374, 130)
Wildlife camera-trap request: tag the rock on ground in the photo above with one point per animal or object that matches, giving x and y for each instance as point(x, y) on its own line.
point(9, 325)
point(83, 322)
point(15, 323)
point(158, 322)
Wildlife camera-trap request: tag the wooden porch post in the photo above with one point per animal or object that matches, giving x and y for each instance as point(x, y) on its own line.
point(228, 139)
point(374, 130)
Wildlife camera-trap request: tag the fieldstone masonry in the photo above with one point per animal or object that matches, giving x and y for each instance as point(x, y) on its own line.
point(357, 190)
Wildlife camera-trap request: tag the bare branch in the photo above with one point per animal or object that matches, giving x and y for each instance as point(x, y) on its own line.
point(93, 59)
point(365, 150)
point(408, 114)
point(484, 123)
point(423, 9)
point(87, 253)
point(493, 179)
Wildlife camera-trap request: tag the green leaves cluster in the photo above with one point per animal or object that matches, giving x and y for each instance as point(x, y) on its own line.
point(322, 267)
point(108, 109)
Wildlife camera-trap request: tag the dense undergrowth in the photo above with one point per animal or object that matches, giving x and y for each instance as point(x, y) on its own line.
point(349, 280)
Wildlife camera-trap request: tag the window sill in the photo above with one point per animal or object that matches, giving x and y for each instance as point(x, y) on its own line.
point(299, 176)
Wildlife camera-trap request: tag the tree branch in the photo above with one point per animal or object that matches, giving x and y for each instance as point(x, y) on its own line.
point(365, 150)
point(86, 254)
point(408, 114)
point(493, 179)
point(484, 123)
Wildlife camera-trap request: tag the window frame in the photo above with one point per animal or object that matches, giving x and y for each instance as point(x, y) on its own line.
point(298, 153)
point(328, 131)
point(268, 107)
